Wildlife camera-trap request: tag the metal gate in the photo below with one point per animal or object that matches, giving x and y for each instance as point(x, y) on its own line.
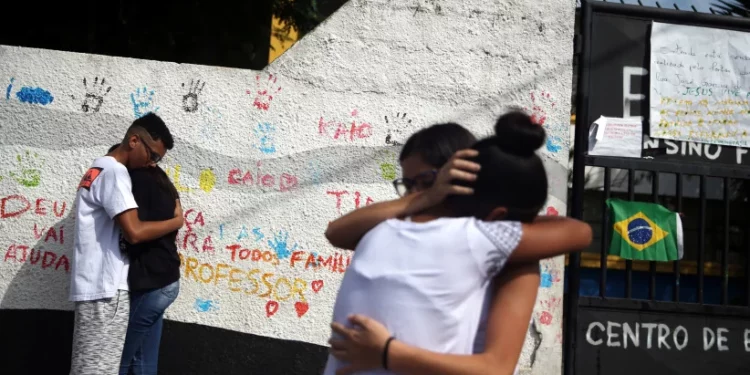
point(683, 317)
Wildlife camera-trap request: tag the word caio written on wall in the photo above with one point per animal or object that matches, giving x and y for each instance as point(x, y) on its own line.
point(255, 177)
point(253, 282)
point(349, 130)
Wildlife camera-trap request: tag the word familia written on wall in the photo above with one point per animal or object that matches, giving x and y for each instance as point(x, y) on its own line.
point(700, 90)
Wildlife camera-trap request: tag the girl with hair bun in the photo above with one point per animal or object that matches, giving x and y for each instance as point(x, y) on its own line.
point(411, 299)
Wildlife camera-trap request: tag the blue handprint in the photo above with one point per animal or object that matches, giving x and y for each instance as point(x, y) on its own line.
point(143, 102)
point(315, 174)
point(280, 246)
point(264, 133)
point(554, 143)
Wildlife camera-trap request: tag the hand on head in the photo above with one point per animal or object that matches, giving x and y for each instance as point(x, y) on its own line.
point(457, 168)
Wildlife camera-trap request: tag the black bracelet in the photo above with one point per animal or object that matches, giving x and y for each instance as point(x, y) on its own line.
point(385, 352)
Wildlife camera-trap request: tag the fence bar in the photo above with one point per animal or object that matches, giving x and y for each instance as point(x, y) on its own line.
point(652, 264)
point(701, 237)
point(676, 286)
point(605, 234)
point(725, 251)
point(747, 265)
point(628, 262)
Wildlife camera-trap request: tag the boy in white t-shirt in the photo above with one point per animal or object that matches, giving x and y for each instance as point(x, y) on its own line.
point(105, 209)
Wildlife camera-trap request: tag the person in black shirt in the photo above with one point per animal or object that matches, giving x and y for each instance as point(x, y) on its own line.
point(154, 274)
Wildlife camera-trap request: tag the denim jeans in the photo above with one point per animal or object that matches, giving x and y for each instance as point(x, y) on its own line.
point(140, 356)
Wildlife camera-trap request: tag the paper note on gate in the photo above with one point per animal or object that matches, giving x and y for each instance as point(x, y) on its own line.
point(616, 137)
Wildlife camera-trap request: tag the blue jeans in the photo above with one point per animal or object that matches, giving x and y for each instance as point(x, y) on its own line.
point(140, 355)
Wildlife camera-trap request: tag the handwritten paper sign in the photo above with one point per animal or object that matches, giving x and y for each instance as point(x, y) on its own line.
point(700, 85)
point(616, 137)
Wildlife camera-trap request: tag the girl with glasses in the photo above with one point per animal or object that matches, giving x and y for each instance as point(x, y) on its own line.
point(411, 300)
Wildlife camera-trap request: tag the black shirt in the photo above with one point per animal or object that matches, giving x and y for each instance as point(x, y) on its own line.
point(153, 264)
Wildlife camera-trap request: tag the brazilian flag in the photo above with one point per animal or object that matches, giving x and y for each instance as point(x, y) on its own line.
point(645, 231)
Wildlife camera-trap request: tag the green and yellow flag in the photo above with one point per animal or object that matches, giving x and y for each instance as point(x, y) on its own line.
point(645, 231)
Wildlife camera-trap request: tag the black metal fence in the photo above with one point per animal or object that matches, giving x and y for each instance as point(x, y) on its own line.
point(683, 305)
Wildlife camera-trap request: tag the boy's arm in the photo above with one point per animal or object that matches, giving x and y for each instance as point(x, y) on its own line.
point(116, 197)
point(136, 231)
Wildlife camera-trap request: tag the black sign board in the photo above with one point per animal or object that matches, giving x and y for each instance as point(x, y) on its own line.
point(627, 342)
point(619, 82)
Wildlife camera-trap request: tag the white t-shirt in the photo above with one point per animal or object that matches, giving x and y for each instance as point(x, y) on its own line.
point(99, 267)
point(426, 282)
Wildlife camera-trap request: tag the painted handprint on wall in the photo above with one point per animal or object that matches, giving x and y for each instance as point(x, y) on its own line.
point(143, 102)
point(190, 99)
point(541, 105)
point(388, 169)
point(396, 124)
point(280, 245)
point(264, 133)
point(28, 169)
point(95, 93)
point(265, 89)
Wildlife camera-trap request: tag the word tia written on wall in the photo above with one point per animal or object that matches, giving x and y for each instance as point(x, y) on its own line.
point(700, 89)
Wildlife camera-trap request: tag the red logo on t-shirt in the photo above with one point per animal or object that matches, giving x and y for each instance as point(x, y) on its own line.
point(89, 178)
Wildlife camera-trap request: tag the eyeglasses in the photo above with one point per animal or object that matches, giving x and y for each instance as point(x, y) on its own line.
point(155, 157)
point(421, 181)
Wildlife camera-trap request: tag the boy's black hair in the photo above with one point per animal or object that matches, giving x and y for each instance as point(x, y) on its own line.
point(437, 144)
point(512, 174)
point(113, 148)
point(155, 127)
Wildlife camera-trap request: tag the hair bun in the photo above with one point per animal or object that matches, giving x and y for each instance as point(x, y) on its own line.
point(517, 134)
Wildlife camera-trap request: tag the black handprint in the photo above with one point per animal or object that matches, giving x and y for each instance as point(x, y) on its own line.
point(399, 121)
point(94, 95)
point(190, 100)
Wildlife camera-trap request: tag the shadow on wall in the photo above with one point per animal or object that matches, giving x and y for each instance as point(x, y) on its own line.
point(39, 341)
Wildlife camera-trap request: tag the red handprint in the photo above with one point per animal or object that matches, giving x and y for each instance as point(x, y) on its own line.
point(265, 90)
point(540, 104)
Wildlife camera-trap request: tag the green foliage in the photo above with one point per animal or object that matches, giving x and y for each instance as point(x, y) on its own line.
point(736, 8)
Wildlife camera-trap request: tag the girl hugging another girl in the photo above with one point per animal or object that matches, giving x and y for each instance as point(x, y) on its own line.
point(463, 239)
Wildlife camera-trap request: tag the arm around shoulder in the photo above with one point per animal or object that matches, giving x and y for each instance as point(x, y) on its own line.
point(549, 237)
point(346, 231)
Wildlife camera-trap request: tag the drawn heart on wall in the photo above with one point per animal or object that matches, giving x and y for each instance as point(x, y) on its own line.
point(301, 308)
point(317, 285)
point(271, 308)
point(551, 211)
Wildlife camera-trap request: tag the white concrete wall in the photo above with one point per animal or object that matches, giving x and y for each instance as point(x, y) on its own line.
point(414, 62)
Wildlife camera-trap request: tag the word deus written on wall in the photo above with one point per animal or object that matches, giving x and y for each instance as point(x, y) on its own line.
point(47, 229)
